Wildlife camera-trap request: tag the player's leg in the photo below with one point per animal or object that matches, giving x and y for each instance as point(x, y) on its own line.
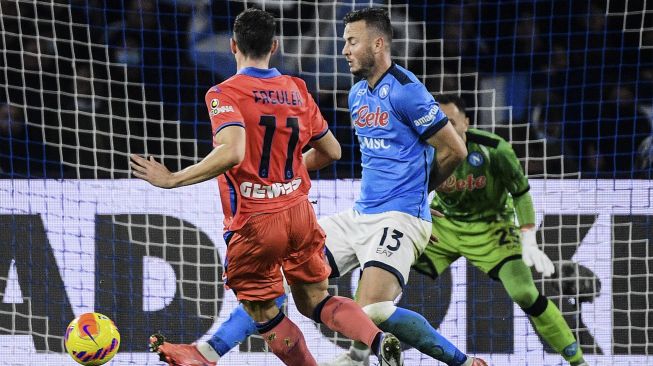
point(343, 243)
point(240, 324)
point(545, 316)
point(238, 327)
point(344, 246)
point(234, 331)
point(253, 272)
point(496, 250)
point(283, 336)
point(438, 255)
point(346, 317)
point(307, 273)
point(254, 258)
point(378, 287)
point(391, 251)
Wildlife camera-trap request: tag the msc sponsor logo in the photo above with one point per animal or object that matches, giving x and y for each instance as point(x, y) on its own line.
point(373, 143)
point(427, 119)
point(468, 183)
point(365, 118)
point(361, 92)
point(255, 190)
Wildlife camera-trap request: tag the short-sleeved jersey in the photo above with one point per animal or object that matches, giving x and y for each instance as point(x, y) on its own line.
point(393, 120)
point(478, 189)
point(280, 118)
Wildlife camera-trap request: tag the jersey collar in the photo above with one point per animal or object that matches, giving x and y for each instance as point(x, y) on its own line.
point(371, 87)
point(259, 73)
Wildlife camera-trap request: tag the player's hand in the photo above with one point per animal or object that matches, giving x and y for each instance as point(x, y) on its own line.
point(436, 213)
point(533, 256)
point(152, 171)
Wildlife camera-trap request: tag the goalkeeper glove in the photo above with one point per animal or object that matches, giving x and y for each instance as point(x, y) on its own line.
point(533, 256)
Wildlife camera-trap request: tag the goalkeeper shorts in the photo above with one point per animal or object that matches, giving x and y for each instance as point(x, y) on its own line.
point(485, 244)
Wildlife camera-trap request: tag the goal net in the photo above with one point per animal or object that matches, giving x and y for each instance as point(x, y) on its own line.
point(86, 83)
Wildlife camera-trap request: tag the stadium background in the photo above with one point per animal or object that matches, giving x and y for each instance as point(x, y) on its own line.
point(85, 83)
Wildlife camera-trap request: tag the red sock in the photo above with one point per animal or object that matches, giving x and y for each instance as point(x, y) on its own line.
point(345, 316)
point(287, 342)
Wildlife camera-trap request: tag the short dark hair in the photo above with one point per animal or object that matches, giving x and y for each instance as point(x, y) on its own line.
point(376, 18)
point(452, 99)
point(254, 31)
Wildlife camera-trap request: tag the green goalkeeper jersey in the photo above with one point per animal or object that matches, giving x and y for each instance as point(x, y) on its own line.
point(478, 189)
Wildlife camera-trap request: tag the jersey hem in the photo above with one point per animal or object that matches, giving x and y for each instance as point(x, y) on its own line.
point(239, 225)
point(388, 268)
point(219, 128)
point(434, 129)
point(320, 135)
point(381, 210)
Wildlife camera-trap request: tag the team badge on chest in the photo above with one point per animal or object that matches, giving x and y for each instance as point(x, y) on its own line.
point(475, 159)
point(384, 90)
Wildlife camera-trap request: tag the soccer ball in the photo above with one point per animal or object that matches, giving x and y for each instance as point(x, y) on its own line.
point(92, 339)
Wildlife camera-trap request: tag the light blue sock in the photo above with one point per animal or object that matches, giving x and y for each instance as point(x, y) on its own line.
point(236, 329)
point(414, 330)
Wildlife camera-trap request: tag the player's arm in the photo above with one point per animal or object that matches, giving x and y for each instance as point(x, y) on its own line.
point(229, 152)
point(228, 141)
point(323, 152)
point(325, 148)
point(508, 169)
point(432, 125)
point(450, 152)
point(531, 253)
point(525, 211)
point(510, 172)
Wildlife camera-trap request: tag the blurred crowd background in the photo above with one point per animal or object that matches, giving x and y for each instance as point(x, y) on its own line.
point(85, 82)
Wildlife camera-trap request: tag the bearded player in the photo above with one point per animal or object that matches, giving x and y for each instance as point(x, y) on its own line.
point(475, 209)
point(262, 121)
point(397, 148)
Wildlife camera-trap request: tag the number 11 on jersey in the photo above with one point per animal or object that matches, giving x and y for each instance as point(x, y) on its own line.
point(270, 124)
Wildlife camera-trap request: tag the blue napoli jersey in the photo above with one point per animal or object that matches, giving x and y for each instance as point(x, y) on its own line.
point(393, 120)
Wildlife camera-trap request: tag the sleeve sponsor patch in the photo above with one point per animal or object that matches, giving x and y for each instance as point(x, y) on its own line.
point(426, 119)
point(217, 109)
